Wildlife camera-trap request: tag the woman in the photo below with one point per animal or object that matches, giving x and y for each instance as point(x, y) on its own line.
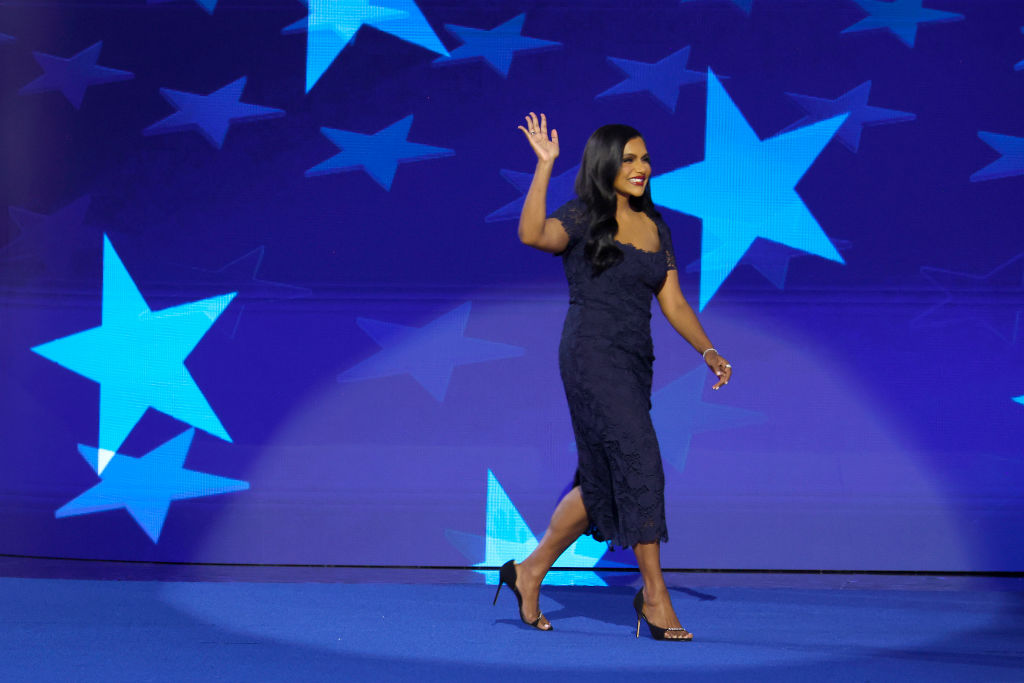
point(617, 255)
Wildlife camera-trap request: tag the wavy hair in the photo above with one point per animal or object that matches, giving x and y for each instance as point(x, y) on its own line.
point(595, 186)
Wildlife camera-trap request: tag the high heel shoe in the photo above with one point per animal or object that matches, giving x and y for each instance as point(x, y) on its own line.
point(507, 574)
point(657, 632)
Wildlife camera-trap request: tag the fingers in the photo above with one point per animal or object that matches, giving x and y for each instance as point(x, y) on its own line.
point(723, 370)
point(554, 136)
point(543, 126)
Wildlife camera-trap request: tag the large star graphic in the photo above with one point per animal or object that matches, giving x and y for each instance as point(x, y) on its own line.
point(679, 412)
point(1010, 164)
point(746, 188)
point(899, 17)
point(561, 188)
point(429, 353)
point(770, 259)
point(994, 300)
point(332, 24)
point(208, 5)
point(240, 275)
point(378, 154)
point(854, 102)
point(496, 46)
point(73, 75)
point(138, 358)
point(146, 486)
point(212, 114)
point(663, 78)
point(744, 5)
point(508, 537)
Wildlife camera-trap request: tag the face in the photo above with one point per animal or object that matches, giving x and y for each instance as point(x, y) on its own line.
point(635, 172)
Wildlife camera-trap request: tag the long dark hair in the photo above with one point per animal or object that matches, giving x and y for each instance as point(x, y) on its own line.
point(595, 185)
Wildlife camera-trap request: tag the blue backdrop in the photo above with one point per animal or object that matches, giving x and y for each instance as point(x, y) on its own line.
point(263, 301)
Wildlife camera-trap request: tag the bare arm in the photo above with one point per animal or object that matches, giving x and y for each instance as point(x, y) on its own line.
point(535, 230)
point(681, 316)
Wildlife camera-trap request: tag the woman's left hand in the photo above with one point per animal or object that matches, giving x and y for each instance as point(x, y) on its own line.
point(720, 367)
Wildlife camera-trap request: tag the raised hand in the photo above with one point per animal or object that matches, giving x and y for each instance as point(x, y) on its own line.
point(536, 133)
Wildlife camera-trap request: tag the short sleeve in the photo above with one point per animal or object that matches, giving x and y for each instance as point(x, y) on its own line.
point(666, 237)
point(573, 217)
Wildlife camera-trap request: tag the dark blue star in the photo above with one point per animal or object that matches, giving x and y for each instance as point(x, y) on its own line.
point(378, 154)
point(770, 259)
point(899, 17)
point(208, 5)
point(146, 486)
point(55, 239)
point(679, 412)
point(561, 189)
point(73, 75)
point(854, 102)
point(496, 46)
point(240, 276)
point(428, 353)
point(4, 38)
point(744, 5)
point(210, 114)
point(1019, 66)
point(1010, 164)
point(663, 79)
point(994, 300)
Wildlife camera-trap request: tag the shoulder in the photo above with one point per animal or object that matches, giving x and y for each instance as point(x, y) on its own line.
point(573, 215)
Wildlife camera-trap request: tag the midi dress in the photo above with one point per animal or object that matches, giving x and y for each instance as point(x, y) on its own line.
point(606, 361)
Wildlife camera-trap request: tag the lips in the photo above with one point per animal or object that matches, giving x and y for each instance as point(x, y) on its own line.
point(637, 180)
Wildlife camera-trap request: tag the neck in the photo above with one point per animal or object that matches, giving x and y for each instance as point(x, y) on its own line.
point(622, 203)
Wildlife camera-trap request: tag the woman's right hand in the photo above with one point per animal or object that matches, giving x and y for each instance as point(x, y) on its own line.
point(536, 133)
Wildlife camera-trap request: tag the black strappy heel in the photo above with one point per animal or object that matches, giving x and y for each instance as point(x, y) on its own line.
point(507, 574)
point(657, 632)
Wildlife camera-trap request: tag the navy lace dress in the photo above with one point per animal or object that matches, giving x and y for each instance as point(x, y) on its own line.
point(606, 361)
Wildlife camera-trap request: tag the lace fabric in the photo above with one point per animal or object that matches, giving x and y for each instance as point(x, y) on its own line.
point(606, 364)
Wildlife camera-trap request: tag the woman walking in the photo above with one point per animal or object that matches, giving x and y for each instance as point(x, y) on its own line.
point(617, 255)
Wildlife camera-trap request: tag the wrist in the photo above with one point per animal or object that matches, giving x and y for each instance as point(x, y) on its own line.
point(708, 350)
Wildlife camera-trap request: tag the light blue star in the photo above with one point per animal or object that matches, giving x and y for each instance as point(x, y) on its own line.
point(744, 5)
point(899, 17)
point(1010, 164)
point(496, 46)
point(138, 358)
point(212, 114)
point(332, 24)
point(561, 188)
point(1019, 399)
point(968, 299)
point(746, 188)
point(679, 412)
point(509, 538)
point(73, 75)
point(378, 154)
point(208, 5)
point(663, 79)
point(854, 102)
point(428, 353)
point(146, 486)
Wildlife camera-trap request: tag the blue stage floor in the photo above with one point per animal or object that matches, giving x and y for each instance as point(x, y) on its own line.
point(426, 626)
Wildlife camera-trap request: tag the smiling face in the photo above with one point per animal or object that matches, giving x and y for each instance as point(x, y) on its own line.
point(635, 172)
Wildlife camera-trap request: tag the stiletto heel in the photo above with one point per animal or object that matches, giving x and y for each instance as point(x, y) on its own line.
point(507, 575)
point(657, 632)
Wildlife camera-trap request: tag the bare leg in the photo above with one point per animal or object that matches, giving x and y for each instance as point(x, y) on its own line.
point(568, 521)
point(657, 602)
